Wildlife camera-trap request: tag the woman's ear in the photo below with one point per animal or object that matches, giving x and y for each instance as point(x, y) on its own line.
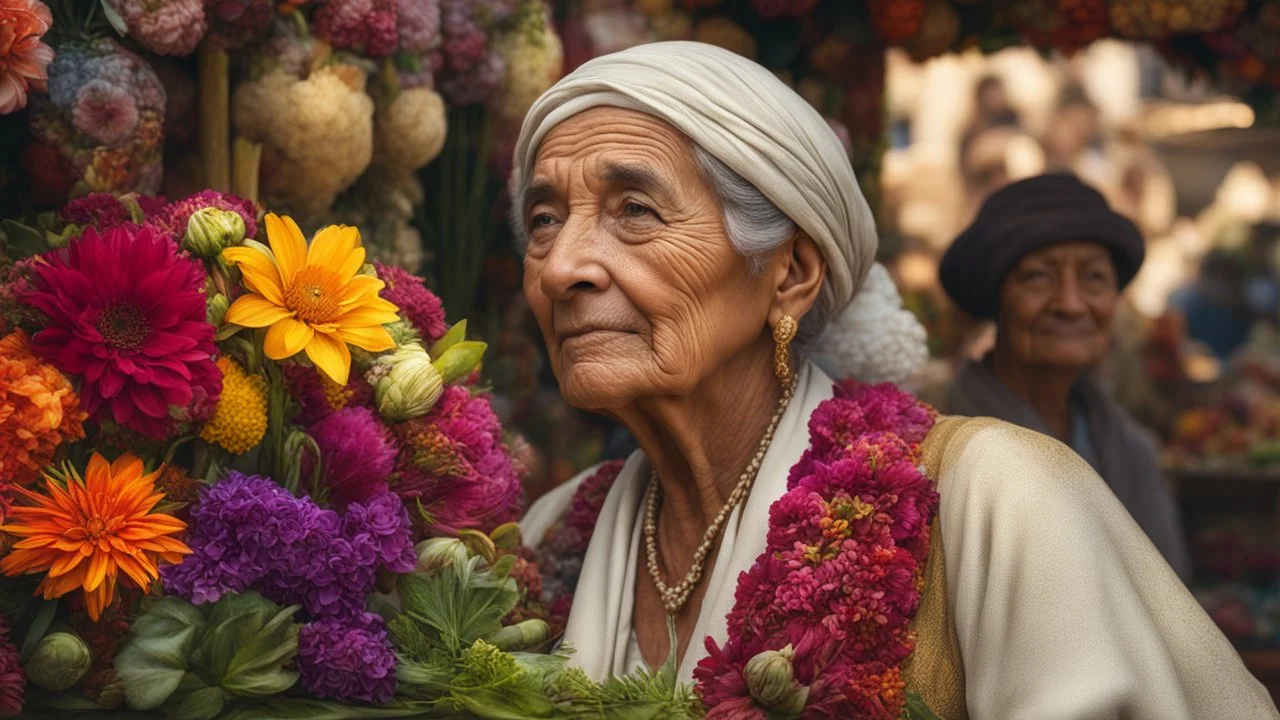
point(802, 272)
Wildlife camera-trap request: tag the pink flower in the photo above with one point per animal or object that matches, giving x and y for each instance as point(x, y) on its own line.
point(97, 210)
point(168, 27)
point(12, 680)
point(839, 578)
point(454, 463)
point(362, 26)
point(356, 453)
point(24, 60)
point(126, 313)
point(105, 112)
point(418, 305)
point(172, 218)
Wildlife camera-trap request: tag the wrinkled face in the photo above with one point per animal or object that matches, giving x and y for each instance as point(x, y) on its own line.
point(1056, 307)
point(629, 270)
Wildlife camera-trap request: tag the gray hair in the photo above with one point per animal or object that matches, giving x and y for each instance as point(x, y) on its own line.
point(755, 226)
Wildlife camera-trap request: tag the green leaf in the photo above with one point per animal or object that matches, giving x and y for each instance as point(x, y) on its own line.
point(205, 703)
point(463, 604)
point(246, 645)
point(23, 241)
point(460, 360)
point(917, 709)
point(38, 628)
point(114, 18)
point(154, 660)
point(258, 667)
point(409, 638)
point(456, 334)
point(310, 709)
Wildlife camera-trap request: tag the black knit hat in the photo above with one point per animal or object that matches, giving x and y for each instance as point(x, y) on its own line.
point(1027, 216)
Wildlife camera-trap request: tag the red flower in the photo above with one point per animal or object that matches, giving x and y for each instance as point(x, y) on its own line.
point(126, 313)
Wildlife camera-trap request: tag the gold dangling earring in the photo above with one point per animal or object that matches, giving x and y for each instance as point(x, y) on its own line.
point(783, 333)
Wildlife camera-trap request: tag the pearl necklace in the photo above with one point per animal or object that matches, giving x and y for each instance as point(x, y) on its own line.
point(674, 597)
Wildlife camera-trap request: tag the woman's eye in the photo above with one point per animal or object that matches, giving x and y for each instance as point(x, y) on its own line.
point(635, 210)
point(541, 220)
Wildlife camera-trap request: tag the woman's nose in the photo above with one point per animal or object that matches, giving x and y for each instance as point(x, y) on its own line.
point(1069, 299)
point(574, 263)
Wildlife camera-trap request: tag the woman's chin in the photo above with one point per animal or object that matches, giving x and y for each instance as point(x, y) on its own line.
point(594, 386)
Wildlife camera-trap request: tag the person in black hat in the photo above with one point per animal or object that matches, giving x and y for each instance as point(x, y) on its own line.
point(1046, 259)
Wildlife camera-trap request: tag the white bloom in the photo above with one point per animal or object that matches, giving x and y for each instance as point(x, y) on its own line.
point(875, 339)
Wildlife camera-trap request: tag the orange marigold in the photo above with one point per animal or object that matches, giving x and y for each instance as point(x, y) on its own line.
point(82, 533)
point(39, 411)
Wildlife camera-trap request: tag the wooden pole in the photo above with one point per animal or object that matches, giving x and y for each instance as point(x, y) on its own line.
point(213, 70)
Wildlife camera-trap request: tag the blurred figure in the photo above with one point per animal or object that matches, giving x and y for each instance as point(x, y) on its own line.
point(1046, 259)
point(991, 104)
point(1215, 305)
point(1073, 140)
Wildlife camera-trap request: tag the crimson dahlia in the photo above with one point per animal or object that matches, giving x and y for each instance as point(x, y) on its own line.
point(126, 314)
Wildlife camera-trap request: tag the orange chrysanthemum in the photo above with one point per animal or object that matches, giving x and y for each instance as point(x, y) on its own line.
point(311, 298)
point(87, 531)
point(38, 411)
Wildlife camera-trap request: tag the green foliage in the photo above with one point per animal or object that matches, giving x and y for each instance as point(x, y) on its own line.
point(448, 658)
point(191, 662)
point(462, 604)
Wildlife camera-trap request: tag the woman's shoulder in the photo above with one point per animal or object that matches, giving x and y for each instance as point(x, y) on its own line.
point(993, 463)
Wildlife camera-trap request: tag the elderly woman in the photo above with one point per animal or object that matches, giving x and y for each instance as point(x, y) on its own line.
point(686, 217)
point(1046, 258)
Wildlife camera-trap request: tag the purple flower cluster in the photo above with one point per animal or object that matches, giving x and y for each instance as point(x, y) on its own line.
point(249, 533)
point(348, 660)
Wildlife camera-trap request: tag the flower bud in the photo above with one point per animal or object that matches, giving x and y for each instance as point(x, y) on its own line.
point(212, 230)
point(412, 386)
point(771, 682)
point(460, 360)
point(437, 554)
point(218, 305)
point(59, 662)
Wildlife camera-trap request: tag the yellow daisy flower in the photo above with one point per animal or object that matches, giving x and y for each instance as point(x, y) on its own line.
point(310, 298)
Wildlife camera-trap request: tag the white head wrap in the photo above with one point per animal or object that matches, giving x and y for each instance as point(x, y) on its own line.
point(747, 118)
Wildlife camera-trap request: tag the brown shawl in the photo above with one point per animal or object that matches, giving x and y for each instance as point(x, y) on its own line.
point(1127, 456)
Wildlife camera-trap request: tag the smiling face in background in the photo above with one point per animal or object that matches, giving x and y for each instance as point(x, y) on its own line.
point(636, 287)
point(1056, 307)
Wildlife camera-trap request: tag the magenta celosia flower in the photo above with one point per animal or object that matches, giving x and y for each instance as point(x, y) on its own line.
point(356, 454)
point(363, 26)
point(105, 112)
point(97, 210)
point(126, 314)
point(12, 680)
point(172, 218)
point(453, 462)
point(421, 307)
